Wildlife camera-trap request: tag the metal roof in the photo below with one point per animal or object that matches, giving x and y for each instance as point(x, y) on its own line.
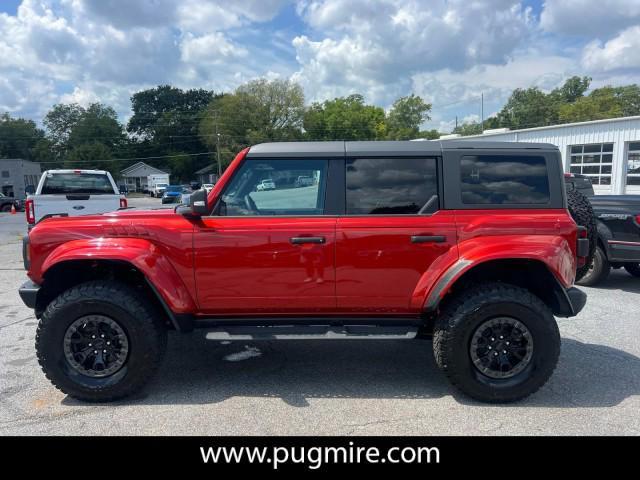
point(559, 125)
point(378, 148)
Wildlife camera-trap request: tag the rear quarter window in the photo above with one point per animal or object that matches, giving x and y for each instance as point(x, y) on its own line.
point(72, 183)
point(504, 180)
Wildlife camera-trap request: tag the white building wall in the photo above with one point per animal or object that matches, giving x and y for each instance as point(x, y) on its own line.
point(619, 131)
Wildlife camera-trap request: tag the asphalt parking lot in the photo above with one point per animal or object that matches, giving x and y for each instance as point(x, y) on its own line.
point(324, 387)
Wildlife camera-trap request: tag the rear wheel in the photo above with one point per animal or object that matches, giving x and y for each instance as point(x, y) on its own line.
point(5, 208)
point(633, 269)
point(598, 270)
point(582, 213)
point(100, 341)
point(497, 342)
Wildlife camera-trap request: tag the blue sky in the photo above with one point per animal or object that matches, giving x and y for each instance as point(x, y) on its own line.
point(447, 51)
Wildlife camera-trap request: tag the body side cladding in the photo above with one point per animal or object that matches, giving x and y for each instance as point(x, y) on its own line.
point(564, 302)
point(145, 257)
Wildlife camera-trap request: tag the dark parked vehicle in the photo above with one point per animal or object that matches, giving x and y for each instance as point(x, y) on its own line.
point(618, 240)
point(580, 183)
point(7, 202)
point(468, 243)
point(173, 194)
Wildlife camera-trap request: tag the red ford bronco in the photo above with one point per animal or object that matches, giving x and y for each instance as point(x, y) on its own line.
point(468, 243)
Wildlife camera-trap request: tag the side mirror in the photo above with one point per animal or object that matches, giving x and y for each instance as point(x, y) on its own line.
point(198, 203)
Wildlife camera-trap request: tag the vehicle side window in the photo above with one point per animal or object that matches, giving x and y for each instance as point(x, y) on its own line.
point(504, 179)
point(391, 186)
point(276, 187)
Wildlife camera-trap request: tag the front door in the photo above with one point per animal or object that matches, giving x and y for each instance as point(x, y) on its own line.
point(269, 249)
point(393, 233)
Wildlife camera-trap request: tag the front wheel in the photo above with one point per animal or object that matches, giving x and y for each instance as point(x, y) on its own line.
point(497, 342)
point(100, 341)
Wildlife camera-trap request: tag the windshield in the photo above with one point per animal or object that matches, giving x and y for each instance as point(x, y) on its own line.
point(70, 183)
point(174, 189)
point(161, 185)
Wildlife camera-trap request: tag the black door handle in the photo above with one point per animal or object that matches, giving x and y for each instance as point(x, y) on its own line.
point(301, 240)
point(428, 238)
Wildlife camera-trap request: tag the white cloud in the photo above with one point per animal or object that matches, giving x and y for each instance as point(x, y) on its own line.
point(213, 48)
point(376, 46)
point(85, 50)
point(446, 51)
point(619, 53)
point(589, 17)
point(126, 14)
point(454, 92)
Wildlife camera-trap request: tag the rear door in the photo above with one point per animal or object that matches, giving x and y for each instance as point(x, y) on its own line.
point(76, 193)
point(393, 233)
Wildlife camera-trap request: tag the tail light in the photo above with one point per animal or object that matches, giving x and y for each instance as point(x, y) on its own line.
point(30, 211)
point(638, 219)
point(582, 247)
point(123, 203)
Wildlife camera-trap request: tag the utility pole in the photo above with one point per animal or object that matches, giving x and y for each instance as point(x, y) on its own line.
point(218, 147)
point(481, 112)
point(456, 121)
point(218, 155)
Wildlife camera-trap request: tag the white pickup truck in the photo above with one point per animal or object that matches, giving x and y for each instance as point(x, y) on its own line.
point(73, 192)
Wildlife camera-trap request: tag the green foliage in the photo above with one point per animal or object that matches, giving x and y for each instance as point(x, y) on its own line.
point(531, 107)
point(20, 138)
point(468, 128)
point(573, 89)
point(345, 118)
point(85, 137)
point(405, 117)
point(258, 111)
point(528, 107)
point(91, 155)
point(428, 134)
point(165, 121)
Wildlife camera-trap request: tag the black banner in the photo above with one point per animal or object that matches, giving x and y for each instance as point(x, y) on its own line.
point(493, 456)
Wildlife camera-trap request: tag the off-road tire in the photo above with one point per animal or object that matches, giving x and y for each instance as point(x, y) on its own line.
point(459, 320)
point(582, 213)
point(633, 269)
point(140, 320)
point(599, 271)
point(5, 208)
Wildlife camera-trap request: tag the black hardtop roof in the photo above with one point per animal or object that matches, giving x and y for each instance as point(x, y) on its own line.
point(377, 148)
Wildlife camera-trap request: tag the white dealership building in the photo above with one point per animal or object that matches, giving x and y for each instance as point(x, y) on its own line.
point(608, 151)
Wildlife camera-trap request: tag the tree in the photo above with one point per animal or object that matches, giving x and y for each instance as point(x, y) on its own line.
point(59, 122)
point(165, 122)
point(528, 107)
point(629, 98)
point(599, 104)
point(258, 111)
point(405, 117)
point(468, 128)
point(20, 138)
point(428, 134)
point(86, 137)
point(345, 118)
point(572, 89)
point(94, 155)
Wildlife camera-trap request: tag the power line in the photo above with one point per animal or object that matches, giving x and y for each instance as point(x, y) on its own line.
point(157, 157)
